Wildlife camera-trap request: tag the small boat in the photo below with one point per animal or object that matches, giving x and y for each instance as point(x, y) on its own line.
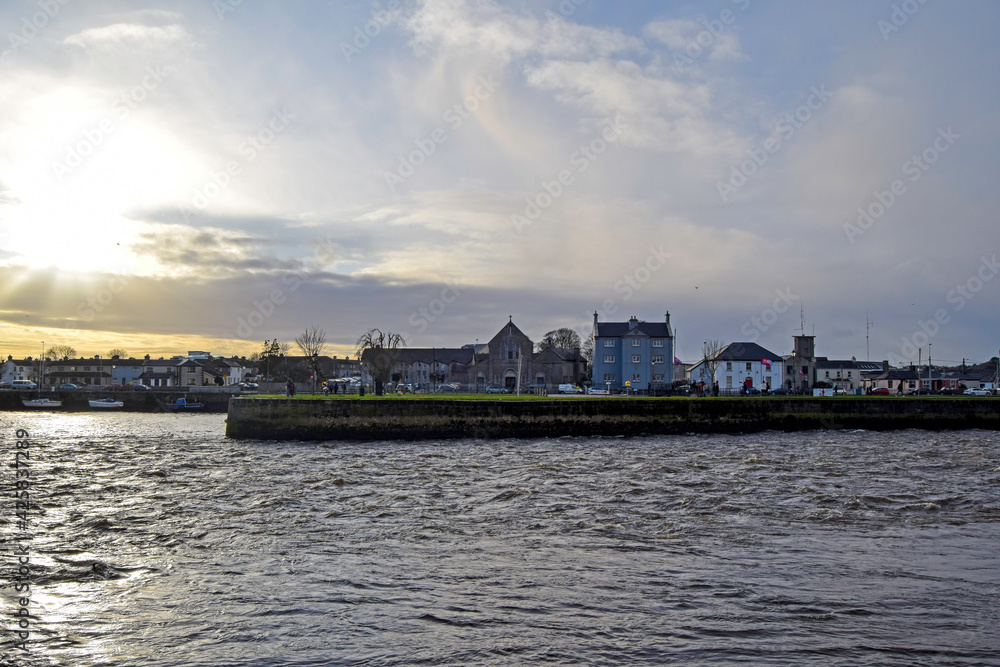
point(41, 402)
point(182, 404)
point(106, 403)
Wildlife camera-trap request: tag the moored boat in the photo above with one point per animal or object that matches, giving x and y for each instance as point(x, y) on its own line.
point(105, 403)
point(181, 405)
point(41, 402)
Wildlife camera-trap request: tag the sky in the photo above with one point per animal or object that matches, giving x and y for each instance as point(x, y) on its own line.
point(207, 175)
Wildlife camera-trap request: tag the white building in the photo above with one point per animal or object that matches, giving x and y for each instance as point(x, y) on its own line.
point(738, 366)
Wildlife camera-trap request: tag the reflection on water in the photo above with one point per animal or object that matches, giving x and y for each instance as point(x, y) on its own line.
point(159, 542)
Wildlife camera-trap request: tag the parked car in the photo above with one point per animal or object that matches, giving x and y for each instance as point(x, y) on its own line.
point(69, 386)
point(23, 384)
point(569, 389)
point(497, 390)
point(922, 391)
point(594, 391)
point(4, 385)
point(880, 391)
point(977, 392)
point(780, 391)
point(445, 389)
point(946, 391)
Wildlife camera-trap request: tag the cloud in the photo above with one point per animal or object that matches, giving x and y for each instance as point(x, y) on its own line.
point(692, 39)
point(129, 37)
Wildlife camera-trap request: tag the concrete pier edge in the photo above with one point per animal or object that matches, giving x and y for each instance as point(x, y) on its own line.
point(419, 419)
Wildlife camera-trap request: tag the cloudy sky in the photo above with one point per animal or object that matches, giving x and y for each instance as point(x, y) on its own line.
point(206, 175)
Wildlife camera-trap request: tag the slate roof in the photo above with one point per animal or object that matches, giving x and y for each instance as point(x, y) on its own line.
point(619, 329)
point(844, 364)
point(745, 352)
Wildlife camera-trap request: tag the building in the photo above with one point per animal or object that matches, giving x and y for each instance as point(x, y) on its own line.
point(739, 366)
point(434, 366)
point(19, 369)
point(94, 372)
point(508, 360)
point(800, 366)
point(554, 366)
point(846, 375)
point(635, 352)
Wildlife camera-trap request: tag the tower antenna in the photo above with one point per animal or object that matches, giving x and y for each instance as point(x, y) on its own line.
point(868, 326)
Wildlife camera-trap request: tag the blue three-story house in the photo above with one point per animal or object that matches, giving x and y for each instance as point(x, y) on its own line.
point(637, 352)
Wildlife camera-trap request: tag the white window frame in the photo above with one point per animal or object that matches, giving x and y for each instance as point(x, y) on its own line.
point(636, 342)
point(609, 342)
point(636, 359)
point(658, 359)
point(658, 342)
point(609, 358)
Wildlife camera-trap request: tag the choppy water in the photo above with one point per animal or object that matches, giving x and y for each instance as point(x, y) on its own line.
point(159, 542)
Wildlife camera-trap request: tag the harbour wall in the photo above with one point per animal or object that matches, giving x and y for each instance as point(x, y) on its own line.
point(418, 419)
point(152, 400)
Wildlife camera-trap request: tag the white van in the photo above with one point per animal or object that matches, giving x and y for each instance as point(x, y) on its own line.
point(23, 384)
point(569, 389)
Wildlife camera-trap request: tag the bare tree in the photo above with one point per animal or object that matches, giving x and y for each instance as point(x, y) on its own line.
point(312, 342)
point(59, 352)
point(710, 351)
point(560, 338)
point(378, 351)
point(587, 349)
point(117, 352)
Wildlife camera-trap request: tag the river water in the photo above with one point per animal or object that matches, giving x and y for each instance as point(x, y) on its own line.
point(154, 540)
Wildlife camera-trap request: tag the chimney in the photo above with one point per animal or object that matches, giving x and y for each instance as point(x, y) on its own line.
point(885, 365)
point(595, 322)
point(669, 332)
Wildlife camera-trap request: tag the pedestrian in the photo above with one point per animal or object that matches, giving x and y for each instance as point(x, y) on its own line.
point(289, 388)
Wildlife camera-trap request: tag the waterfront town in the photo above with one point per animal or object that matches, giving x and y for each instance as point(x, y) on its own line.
point(634, 357)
